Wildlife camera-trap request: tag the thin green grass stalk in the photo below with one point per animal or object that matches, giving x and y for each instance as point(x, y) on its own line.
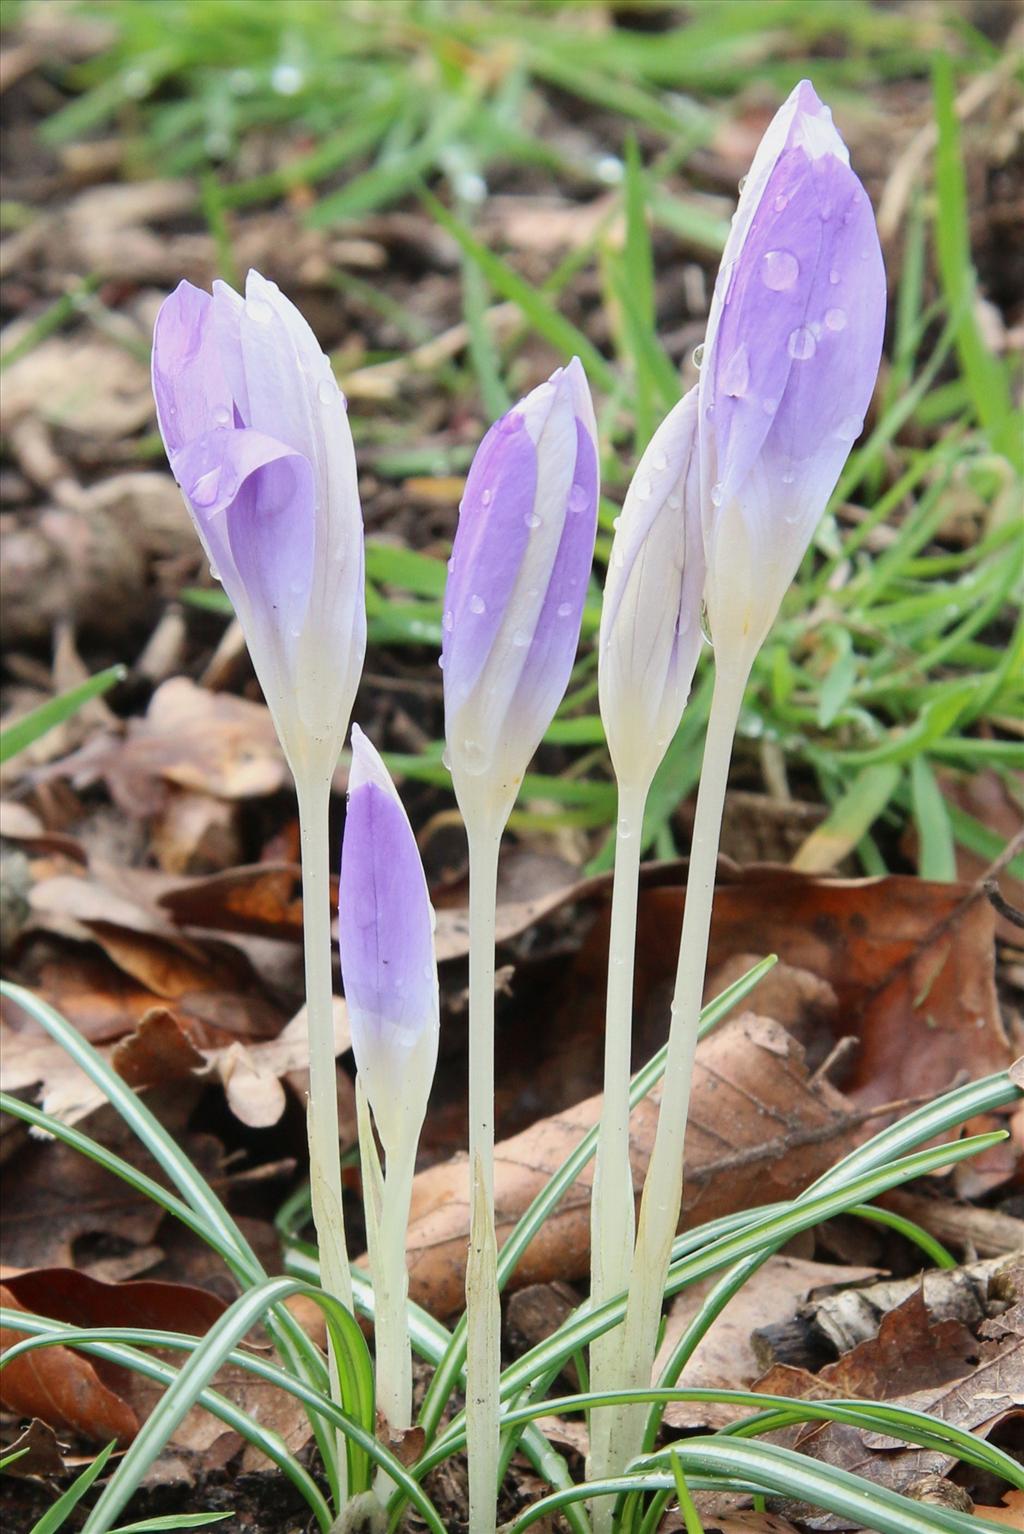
point(25, 731)
point(206, 1207)
point(715, 1463)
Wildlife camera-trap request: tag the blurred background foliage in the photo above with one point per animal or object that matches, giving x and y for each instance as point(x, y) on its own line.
point(567, 172)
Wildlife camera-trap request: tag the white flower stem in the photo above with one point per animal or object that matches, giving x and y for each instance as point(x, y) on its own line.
point(483, 1314)
point(612, 1217)
point(314, 791)
point(391, 1327)
point(663, 1187)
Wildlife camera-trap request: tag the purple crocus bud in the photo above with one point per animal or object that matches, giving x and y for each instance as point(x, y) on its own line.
point(258, 438)
point(386, 939)
point(790, 360)
point(650, 620)
point(517, 582)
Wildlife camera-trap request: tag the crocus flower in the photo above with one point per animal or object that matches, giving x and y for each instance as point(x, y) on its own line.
point(518, 578)
point(385, 934)
point(790, 360)
point(650, 620)
point(258, 438)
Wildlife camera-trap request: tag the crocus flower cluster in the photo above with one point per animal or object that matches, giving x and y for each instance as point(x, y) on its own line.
point(720, 511)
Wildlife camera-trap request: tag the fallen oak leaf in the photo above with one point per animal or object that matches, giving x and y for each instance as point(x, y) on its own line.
point(749, 1074)
point(37, 1451)
point(62, 1388)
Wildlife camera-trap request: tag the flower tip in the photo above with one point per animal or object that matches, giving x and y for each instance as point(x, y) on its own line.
point(367, 766)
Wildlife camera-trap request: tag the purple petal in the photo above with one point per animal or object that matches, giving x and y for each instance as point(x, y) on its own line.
point(552, 651)
point(385, 935)
point(252, 500)
point(189, 382)
point(489, 545)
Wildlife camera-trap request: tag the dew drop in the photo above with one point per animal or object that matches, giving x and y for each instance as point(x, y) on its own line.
point(259, 310)
point(616, 524)
point(769, 406)
point(474, 757)
point(833, 277)
point(698, 355)
point(222, 416)
point(486, 497)
point(532, 520)
point(674, 503)
point(520, 639)
point(789, 477)
point(801, 344)
point(448, 622)
point(659, 463)
point(214, 573)
point(579, 500)
point(451, 564)
point(736, 373)
point(781, 202)
point(851, 426)
point(327, 391)
point(741, 184)
point(835, 319)
point(625, 830)
point(477, 604)
point(564, 609)
point(440, 661)
point(779, 270)
point(204, 491)
point(512, 422)
point(643, 489)
point(716, 494)
point(446, 759)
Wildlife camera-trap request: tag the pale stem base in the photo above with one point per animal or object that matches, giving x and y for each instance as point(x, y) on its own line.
point(322, 1118)
point(483, 1314)
point(612, 1216)
point(663, 1188)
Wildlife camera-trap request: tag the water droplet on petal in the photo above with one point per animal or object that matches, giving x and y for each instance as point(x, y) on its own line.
point(259, 310)
point(736, 373)
point(642, 489)
point(833, 277)
point(564, 609)
point(779, 270)
point(327, 391)
point(222, 416)
point(659, 463)
point(440, 661)
point(448, 622)
point(520, 639)
point(214, 573)
point(835, 319)
point(616, 523)
point(698, 355)
point(789, 477)
point(741, 184)
point(532, 520)
point(851, 426)
point(579, 500)
point(625, 829)
point(716, 494)
point(512, 422)
point(477, 604)
point(802, 344)
point(446, 759)
point(204, 491)
point(486, 497)
point(451, 564)
point(474, 757)
point(781, 202)
point(769, 406)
